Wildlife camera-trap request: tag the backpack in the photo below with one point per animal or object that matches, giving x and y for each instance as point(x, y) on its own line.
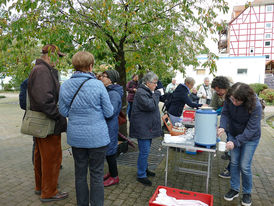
point(166, 99)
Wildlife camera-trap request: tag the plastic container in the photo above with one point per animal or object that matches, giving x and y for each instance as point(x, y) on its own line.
point(188, 115)
point(182, 194)
point(205, 127)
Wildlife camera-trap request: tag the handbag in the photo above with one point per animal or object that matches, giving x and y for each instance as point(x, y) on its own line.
point(37, 124)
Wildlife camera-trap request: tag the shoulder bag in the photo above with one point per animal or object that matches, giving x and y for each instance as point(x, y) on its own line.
point(37, 124)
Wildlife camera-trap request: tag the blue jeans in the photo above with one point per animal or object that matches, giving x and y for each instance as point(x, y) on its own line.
point(144, 149)
point(241, 159)
point(94, 159)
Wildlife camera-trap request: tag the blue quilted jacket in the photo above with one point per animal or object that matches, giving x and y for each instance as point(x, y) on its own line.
point(115, 92)
point(87, 127)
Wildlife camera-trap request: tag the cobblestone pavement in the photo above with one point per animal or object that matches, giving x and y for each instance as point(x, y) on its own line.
point(17, 178)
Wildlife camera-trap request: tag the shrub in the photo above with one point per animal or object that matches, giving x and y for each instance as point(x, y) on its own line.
point(268, 95)
point(257, 87)
point(8, 87)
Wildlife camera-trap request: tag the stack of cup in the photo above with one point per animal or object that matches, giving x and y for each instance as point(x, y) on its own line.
point(222, 146)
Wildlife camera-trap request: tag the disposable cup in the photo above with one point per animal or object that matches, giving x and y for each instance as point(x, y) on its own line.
point(222, 146)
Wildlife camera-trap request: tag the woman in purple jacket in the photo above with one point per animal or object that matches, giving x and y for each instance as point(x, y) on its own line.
point(241, 119)
point(132, 87)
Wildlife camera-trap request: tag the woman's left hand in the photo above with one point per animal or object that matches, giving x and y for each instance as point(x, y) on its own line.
point(229, 145)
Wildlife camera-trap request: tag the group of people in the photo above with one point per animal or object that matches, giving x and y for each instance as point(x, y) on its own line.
point(92, 107)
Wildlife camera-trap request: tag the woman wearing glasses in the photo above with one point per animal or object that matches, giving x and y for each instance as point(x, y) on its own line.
point(115, 92)
point(241, 119)
point(145, 123)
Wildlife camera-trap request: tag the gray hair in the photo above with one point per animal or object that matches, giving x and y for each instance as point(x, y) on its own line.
point(189, 80)
point(149, 77)
point(206, 78)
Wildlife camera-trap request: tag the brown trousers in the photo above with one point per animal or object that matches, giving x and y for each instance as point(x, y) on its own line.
point(47, 162)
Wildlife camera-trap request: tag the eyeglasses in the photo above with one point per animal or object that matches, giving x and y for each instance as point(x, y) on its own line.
point(105, 76)
point(153, 82)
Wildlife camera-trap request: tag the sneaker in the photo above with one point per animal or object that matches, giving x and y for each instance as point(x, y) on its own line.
point(246, 201)
point(231, 195)
point(111, 181)
point(145, 181)
point(106, 176)
point(225, 174)
point(150, 173)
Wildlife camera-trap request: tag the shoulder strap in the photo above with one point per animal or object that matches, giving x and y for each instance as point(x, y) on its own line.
point(78, 91)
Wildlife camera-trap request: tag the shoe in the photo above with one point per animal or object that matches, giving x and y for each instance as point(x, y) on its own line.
point(246, 201)
point(225, 174)
point(145, 181)
point(225, 156)
point(111, 181)
point(231, 195)
point(37, 192)
point(150, 173)
point(106, 176)
point(58, 196)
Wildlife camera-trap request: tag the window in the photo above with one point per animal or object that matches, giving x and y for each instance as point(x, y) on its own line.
point(269, 8)
point(200, 71)
point(267, 56)
point(268, 25)
point(251, 50)
point(242, 71)
point(267, 43)
point(268, 36)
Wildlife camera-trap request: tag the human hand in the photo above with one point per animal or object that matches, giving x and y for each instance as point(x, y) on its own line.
point(134, 89)
point(220, 131)
point(229, 145)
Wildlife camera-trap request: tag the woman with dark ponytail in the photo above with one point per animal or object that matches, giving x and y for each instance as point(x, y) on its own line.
point(241, 119)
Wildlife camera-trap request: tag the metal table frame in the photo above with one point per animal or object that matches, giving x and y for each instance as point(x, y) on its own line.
point(187, 170)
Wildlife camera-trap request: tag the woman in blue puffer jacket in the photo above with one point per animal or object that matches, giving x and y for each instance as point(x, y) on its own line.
point(87, 131)
point(115, 91)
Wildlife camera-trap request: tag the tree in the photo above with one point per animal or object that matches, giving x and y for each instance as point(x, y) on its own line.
point(157, 34)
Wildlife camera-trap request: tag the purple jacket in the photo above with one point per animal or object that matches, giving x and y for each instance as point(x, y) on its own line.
point(130, 86)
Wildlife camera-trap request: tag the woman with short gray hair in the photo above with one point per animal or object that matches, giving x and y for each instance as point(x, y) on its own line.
point(145, 123)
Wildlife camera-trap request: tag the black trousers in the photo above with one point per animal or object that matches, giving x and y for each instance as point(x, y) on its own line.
point(112, 165)
point(94, 160)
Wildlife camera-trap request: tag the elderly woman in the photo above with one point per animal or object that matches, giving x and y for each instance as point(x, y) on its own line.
point(115, 91)
point(241, 119)
point(87, 132)
point(204, 92)
point(145, 123)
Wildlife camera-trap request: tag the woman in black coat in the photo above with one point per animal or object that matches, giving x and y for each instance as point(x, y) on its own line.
point(145, 123)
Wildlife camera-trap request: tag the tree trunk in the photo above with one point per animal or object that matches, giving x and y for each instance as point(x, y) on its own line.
point(121, 68)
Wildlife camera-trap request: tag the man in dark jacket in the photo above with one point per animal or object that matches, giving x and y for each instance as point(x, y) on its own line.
point(180, 97)
point(145, 123)
point(43, 91)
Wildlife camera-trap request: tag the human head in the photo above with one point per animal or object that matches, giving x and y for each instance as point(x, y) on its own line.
point(206, 81)
point(220, 84)
point(241, 93)
point(150, 79)
point(112, 75)
point(173, 81)
point(99, 75)
point(135, 77)
point(194, 90)
point(51, 54)
point(83, 61)
point(189, 82)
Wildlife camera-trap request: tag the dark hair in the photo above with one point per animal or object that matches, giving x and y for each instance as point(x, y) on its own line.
point(221, 82)
point(134, 75)
point(243, 92)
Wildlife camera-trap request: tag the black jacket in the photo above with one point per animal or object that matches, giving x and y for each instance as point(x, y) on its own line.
point(43, 90)
point(194, 98)
point(179, 99)
point(145, 122)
